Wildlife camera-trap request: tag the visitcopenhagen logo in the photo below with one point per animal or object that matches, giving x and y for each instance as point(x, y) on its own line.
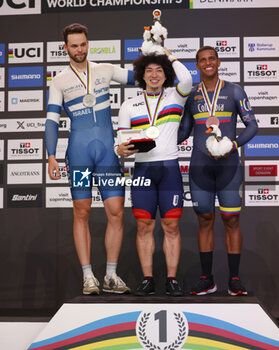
point(25, 76)
point(58, 197)
point(230, 71)
point(25, 52)
point(183, 47)
point(19, 7)
point(263, 96)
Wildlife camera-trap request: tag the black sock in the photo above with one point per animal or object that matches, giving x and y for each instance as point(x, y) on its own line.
point(234, 261)
point(206, 262)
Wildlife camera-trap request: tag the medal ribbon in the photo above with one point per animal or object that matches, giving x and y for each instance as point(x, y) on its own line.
point(211, 107)
point(79, 76)
point(152, 119)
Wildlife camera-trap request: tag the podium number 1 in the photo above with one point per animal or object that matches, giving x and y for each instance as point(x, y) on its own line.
point(161, 316)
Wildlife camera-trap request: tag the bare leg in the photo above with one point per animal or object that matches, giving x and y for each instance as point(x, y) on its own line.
point(171, 245)
point(146, 245)
point(114, 232)
point(82, 236)
point(206, 233)
point(233, 233)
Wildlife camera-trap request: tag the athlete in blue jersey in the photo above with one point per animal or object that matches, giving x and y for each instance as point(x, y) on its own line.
point(83, 89)
point(221, 102)
point(157, 110)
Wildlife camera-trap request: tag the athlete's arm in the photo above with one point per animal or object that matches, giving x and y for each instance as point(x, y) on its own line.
point(186, 123)
point(247, 116)
point(51, 129)
point(124, 123)
point(123, 76)
point(184, 77)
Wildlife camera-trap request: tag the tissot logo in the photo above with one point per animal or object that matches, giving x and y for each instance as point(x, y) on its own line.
point(24, 197)
point(262, 196)
point(56, 52)
point(19, 7)
point(261, 71)
point(25, 149)
point(25, 52)
point(226, 47)
point(63, 174)
point(186, 147)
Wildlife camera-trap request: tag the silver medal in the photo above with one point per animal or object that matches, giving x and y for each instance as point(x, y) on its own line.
point(89, 100)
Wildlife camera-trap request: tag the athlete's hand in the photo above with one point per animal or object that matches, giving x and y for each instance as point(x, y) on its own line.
point(167, 51)
point(126, 149)
point(53, 168)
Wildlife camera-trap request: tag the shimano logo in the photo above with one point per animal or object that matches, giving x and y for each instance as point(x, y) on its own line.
point(25, 76)
point(264, 145)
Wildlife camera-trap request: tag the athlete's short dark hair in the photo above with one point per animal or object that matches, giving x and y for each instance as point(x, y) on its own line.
point(204, 48)
point(72, 29)
point(142, 62)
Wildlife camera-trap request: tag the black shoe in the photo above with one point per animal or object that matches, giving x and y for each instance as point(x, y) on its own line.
point(236, 288)
point(173, 288)
point(205, 285)
point(147, 287)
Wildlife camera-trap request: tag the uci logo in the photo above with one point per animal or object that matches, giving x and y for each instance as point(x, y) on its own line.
point(15, 5)
point(31, 52)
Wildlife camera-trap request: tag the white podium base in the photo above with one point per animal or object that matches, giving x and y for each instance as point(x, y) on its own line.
point(159, 326)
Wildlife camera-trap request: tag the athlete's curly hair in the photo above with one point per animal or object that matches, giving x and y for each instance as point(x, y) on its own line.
point(143, 61)
point(72, 29)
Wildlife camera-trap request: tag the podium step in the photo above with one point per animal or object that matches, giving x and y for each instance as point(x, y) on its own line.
point(119, 322)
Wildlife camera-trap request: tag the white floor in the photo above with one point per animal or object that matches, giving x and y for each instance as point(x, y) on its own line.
point(19, 335)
